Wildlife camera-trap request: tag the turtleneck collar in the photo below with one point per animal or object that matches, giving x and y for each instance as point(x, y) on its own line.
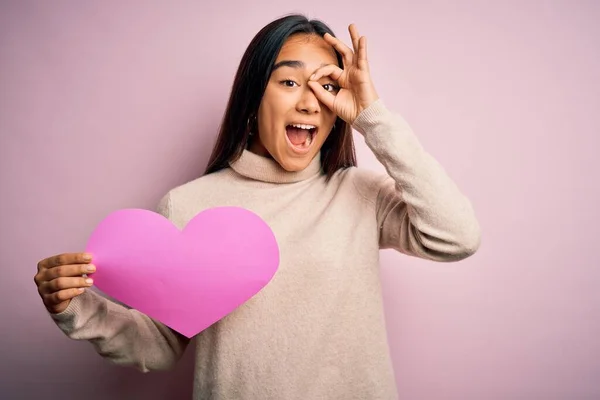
point(265, 169)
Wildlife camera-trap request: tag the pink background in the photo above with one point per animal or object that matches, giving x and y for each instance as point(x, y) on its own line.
point(106, 105)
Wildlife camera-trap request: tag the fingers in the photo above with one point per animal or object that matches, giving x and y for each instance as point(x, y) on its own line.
point(362, 61)
point(57, 293)
point(330, 70)
point(359, 43)
point(61, 284)
point(354, 36)
point(46, 275)
point(344, 50)
point(326, 97)
point(64, 259)
point(55, 302)
point(59, 279)
point(68, 270)
point(360, 47)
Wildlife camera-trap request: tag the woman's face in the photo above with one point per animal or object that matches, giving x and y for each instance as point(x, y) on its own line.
point(292, 123)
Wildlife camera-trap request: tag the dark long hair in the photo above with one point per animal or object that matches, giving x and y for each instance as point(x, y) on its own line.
point(249, 86)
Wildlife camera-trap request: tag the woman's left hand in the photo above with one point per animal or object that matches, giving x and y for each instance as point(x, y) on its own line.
point(356, 91)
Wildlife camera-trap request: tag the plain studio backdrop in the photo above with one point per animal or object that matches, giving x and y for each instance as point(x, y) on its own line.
point(108, 105)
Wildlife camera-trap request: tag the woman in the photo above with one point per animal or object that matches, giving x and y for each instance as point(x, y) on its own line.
point(285, 151)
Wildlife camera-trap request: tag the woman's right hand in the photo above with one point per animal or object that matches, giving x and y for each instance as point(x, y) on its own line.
point(60, 278)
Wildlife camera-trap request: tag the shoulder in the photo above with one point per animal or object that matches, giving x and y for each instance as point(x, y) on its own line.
point(192, 196)
point(365, 182)
point(201, 185)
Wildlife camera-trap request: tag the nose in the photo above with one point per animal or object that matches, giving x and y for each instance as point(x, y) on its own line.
point(308, 102)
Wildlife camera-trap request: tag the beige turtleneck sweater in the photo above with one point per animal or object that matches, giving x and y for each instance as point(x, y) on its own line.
point(317, 330)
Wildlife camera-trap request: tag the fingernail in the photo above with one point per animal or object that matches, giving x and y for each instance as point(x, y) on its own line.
point(90, 268)
point(89, 281)
point(87, 257)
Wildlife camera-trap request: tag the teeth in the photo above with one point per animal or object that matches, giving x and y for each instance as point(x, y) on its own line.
point(308, 140)
point(302, 126)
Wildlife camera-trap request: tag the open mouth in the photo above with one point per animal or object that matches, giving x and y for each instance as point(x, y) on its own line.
point(300, 136)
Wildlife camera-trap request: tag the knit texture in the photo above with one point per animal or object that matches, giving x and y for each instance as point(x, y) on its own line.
point(317, 330)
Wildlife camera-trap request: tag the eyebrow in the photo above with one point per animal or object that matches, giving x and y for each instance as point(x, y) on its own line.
point(297, 64)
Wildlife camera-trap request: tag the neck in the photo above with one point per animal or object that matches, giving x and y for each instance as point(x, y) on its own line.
point(264, 168)
point(255, 146)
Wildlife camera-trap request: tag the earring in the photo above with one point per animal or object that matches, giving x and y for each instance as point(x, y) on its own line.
point(249, 126)
point(251, 121)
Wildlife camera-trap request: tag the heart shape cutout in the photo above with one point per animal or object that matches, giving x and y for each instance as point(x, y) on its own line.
point(187, 279)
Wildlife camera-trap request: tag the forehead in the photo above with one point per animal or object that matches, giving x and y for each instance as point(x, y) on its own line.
point(311, 49)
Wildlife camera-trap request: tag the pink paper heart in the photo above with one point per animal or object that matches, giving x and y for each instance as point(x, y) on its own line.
point(187, 279)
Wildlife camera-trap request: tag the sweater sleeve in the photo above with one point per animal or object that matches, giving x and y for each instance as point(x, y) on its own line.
point(420, 211)
point(121, 335)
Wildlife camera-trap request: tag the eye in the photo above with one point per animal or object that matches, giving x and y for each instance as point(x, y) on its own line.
point(330, 87)
point(288, 83)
